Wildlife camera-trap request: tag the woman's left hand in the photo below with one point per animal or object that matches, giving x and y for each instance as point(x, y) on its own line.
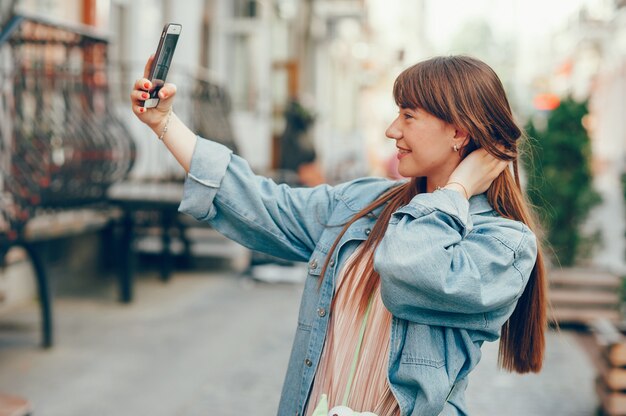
point(477, 171)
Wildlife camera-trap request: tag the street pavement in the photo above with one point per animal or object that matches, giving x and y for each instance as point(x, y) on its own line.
point(213, 343)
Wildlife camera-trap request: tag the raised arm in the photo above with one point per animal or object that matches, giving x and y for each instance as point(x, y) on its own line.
point(178, 138)
point(439, 268)
point(222, 190)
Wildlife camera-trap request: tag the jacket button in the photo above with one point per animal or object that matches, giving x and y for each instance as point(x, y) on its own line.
point(313, 264)
point(308, 362)
point(368, 231)
point(321, 312)
point(331, 263)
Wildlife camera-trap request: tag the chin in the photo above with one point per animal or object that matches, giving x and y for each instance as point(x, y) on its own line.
point(409, 174)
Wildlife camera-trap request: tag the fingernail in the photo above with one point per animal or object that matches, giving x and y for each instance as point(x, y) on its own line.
point(141, 109)
point(144, 95)
point(146, 85)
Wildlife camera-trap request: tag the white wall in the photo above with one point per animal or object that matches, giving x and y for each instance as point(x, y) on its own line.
point(252, 127)
point(607, 106)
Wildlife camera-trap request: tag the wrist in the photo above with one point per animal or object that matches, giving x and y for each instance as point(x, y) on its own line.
point(458, 187)
point(160, 128)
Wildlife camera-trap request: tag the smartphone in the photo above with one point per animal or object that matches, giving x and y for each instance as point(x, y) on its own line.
point(162, 61)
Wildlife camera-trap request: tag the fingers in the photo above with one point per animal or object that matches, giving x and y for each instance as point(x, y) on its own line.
point(490, 160)
point(494, 164)
point(141, 92)
point(142, 84)
point(167, 92)
point(146, 69)
point(138, 110)
point(502, 166)
point(138, 95)
point(478, 170)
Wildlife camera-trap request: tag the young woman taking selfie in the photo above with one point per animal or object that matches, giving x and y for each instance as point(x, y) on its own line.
point(406, 279)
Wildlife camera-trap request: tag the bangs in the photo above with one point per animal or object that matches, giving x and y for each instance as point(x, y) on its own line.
point(405, 90)
point(422, 86)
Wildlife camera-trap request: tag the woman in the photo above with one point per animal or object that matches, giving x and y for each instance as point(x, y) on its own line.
point(406, 279)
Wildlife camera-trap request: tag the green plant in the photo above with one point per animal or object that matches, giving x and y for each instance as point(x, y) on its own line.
point(560, 179)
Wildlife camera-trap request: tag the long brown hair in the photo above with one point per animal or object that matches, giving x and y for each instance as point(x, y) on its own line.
point(467, 93)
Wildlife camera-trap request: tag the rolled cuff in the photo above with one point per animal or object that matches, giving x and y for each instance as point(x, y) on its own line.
point(447, 201)
point(209, 163)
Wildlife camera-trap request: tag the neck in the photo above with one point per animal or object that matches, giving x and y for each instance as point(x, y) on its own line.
point(433, 181)
point(442, 175)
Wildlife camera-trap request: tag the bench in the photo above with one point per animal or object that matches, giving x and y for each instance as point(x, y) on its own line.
point(49, 227)
point(607, 350)
point(589, 300)
point(194, 239)
point(119, 216)
point(580, 296)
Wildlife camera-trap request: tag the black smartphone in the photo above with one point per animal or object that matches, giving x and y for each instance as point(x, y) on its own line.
point(162, 61)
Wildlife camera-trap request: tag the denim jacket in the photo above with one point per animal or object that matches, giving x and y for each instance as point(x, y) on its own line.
point(451, 271)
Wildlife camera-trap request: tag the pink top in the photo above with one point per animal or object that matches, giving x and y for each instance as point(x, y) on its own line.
point(370, 388)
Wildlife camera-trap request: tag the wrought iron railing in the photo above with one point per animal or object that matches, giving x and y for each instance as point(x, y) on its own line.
point(65, 136)
point(61, 144)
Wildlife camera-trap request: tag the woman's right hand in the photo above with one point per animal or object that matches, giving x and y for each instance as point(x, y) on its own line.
point(477, 171)
point(153, 117)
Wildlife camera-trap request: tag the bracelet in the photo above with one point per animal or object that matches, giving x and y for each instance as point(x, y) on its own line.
point(457, 183)
point(167, 124)
point(462, 186)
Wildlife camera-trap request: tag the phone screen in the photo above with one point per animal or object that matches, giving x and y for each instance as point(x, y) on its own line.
point(165, 59)
point(162, 61)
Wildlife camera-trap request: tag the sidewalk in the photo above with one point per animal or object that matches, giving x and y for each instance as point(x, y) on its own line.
point(565, 386)
point(213, 343)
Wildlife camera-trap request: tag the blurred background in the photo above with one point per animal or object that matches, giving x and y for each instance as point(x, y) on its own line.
point(112, 303)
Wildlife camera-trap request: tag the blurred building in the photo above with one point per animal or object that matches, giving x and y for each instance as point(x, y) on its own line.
point(250, 58)
point(607, 93)
point(263, 53)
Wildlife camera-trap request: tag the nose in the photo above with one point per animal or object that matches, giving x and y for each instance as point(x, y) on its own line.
point(393, 132)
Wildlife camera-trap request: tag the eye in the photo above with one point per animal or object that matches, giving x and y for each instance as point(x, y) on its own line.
point(406, 115)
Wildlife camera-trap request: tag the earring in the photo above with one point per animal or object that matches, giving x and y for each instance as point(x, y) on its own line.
point(456, 148)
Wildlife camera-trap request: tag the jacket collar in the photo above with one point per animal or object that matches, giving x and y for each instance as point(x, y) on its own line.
point(479, 204)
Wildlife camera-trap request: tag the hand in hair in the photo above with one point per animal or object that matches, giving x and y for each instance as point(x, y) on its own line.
point(477, 171)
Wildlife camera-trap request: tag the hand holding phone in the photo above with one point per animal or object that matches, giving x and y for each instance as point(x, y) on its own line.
point(161, 62)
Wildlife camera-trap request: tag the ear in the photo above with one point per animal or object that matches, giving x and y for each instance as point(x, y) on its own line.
point(460, 138)
point(460, 134)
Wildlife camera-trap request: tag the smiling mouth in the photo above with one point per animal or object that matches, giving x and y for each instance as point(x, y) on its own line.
point(403, 150)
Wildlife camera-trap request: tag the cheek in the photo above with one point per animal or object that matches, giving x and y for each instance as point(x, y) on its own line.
point(430, 156)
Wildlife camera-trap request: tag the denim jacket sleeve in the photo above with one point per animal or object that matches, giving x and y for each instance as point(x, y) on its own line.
point(252, 210)
point(436, 267)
